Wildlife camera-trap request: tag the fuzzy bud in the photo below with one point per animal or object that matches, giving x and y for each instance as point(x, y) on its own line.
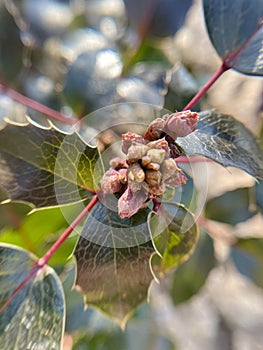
point(169, 168)
point(153, 178)
point(130, 202)
point(136, 173)
point(118, 163)
point(160, 144)
point(130, 138)
point(155, 130)
point(180, 124)
point(156, 155)
point(136, 152)
point(177, 179)
point(110, 183)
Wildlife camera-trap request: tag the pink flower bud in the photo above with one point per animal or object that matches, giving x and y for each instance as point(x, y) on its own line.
point(111, 182)
point(155, 129)
point(180, 124)
point(128, 139)
point(136, 173)
point(130, 202)
point(177, 179)
point(118, 163)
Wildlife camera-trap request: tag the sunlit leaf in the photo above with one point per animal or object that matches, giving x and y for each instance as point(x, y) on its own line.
point(44, 166)
point(236, 31)
point(39, 230)
point(226, 141)
point(35, 317)
point(112, 257)
point(175, 234)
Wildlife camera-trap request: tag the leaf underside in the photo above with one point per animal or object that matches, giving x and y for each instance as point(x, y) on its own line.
point(35, 317)
point(225, 140)
point(44, 166)
point(238, 42)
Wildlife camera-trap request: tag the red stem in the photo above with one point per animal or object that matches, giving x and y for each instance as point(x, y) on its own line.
point(36, 105)
point(44, 260)
point(223, 68)
point(183, 159)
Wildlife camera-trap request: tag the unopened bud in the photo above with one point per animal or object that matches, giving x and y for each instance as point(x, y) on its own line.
point(136, 152)
point(155, 129)
point(153, 166)
point(130, 202)
point(169, 168)
point(153, 178)
point(130, 138)
point(110, 183)
point(180, 124)
point(177, 179)
point(156, 155)
point(160, 144)
point(136, 173)
point(118, 163)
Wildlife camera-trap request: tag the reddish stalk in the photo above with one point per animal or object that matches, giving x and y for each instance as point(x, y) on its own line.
point(223, 68)
point(192, 160)
point(36, 105)
point(44, 260)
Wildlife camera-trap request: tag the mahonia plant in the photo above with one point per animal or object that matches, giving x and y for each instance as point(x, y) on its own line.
point(134, 230)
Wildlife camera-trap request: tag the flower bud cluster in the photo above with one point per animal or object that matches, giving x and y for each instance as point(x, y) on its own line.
point(149, 165)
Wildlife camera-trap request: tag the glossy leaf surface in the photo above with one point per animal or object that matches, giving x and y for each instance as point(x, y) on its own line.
point(44, 166)
point(35, 317)
point(225, 140)
point(236, 31)
point(116, 279)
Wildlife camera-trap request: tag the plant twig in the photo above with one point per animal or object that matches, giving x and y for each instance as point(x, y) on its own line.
point(36, 105)
point(223, 68)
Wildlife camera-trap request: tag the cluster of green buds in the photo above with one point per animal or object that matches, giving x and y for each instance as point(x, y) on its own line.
point(149, 165)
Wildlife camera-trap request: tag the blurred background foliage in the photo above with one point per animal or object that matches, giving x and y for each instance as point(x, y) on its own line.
point(76, 56)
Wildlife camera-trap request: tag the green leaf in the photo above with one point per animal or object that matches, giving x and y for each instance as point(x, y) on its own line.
point(40, 229)
point(44, 166)
point(231, 207)
point(225, 140)
point(175, 234)
point(35, 317)
point(12, 214)
point(191, 276)
point(248, 259)
point(112, 257)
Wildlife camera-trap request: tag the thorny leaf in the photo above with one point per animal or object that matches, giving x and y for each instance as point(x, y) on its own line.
point(113, 255)
point(44, 166)
point(35, 317)
point(225, 140)
point(113, 271)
